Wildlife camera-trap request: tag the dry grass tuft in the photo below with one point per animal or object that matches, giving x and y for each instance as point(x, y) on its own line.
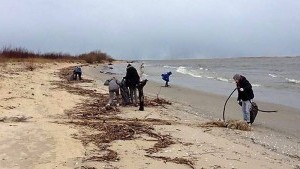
point(237, 124)
point(218, 123)
point(232, 124)
point(30, 66)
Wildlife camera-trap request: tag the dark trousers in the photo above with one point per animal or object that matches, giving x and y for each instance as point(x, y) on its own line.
point(167, 84)
point(75, 75)
point(133, 94)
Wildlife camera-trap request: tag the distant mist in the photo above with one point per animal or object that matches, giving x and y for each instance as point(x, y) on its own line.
point(152, 29)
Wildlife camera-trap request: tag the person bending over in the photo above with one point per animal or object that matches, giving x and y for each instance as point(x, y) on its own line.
point(113, 88)
point(166, 77)
point(77, 72)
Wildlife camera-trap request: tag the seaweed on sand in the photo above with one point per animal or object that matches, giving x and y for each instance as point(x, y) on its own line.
point(104, 127)
point(19, 118)
point(156, 102)
point(163, 142)
point(109, 156)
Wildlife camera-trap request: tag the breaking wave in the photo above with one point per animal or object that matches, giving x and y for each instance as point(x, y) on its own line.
point(199, 74)
point(183, 70)
point(272, 75)
point(172, 67)
point(292, 81)
point(222, 79)
point(256, 85)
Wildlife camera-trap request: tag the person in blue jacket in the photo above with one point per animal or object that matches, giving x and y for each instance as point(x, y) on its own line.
point(166, 77)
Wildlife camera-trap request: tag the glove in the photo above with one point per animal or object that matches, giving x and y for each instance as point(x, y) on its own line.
point(241, 89)
point(240, 102)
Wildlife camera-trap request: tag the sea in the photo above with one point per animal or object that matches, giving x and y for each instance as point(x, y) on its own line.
point(274, 79)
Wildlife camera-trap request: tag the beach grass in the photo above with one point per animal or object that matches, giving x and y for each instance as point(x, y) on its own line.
point(8, 54)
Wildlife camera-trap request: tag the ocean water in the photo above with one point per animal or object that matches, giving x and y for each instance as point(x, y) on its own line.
point(274, 79)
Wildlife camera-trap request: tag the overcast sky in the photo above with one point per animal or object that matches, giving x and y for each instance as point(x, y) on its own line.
point(153, 29)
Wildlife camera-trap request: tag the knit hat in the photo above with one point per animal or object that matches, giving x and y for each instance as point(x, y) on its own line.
point(237, 77)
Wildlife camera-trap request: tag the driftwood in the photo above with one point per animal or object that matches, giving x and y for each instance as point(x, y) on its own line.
point(176, 160)
point(18, 118)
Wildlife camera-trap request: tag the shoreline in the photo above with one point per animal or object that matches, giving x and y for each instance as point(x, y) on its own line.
point(186, 101)
point(268, 86)
point(210, 105)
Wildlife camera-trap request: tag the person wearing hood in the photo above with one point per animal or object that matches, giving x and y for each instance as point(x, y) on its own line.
point(166, 77)
point(113, 88)
point(245, 95)
point(142, 67)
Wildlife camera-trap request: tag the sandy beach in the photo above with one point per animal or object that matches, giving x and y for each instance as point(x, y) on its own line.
point(47, 121)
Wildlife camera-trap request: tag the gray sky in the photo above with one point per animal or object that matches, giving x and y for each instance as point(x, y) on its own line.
point(153, 29)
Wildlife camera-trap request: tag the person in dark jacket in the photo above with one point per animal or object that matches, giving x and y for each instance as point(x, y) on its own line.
point(124, 92)
point(166, 77)
point(77, 72)
point(245, 95)
point(132, 80)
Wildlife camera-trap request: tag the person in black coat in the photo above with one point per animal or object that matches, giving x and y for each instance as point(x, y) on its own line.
point(245, 95)
point(132, 80)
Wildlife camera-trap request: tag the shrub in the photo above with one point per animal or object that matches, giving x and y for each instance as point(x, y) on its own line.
point(95, 57)
point(19, 54)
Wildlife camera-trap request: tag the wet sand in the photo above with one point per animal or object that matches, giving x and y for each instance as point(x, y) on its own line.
point(285, 121)
point(278, 131)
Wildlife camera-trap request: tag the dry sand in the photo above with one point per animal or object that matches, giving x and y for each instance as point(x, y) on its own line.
point(35, 142)
point(49, 122)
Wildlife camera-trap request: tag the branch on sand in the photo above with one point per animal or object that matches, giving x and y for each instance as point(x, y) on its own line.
point(174, 160)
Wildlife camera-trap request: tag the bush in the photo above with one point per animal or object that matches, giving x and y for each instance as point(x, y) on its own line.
point(19, 54)
point(96, 57)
